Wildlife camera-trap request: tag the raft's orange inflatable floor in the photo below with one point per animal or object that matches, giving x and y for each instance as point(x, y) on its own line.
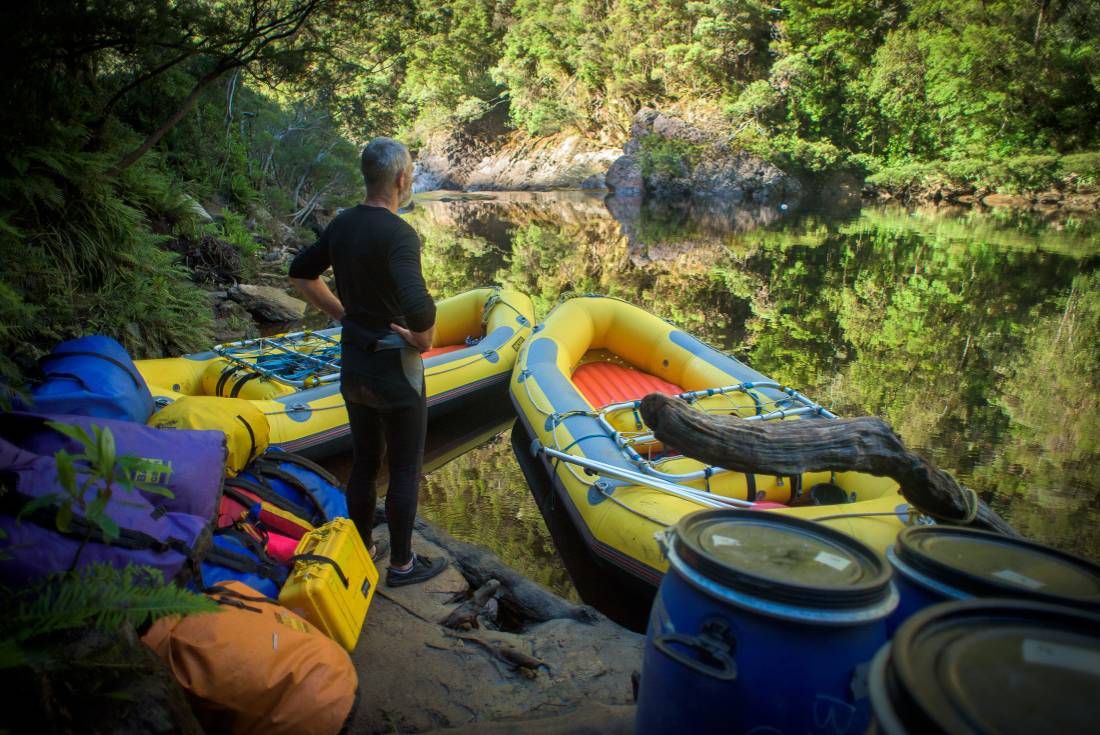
point(604, 383)
point(442, 350)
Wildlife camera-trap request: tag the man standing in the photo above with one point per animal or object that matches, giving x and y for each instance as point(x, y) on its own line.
point(388, 319)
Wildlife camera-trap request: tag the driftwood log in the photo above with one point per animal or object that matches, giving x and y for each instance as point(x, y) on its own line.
point(519, 598)
point(784, 448)
point(465, 615)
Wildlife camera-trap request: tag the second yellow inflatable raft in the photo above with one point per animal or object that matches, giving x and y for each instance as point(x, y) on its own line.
point(577, 387)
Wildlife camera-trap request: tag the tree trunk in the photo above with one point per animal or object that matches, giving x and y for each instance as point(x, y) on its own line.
point(865, 444)
point(153, 138)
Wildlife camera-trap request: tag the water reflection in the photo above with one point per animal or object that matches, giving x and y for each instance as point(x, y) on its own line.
point(977, 335)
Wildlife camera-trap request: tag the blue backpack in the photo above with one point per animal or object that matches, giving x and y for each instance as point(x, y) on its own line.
point(237, 555)
point(301, 481)
point(92, 376)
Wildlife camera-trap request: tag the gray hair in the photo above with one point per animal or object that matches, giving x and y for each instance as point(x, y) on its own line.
point(382, 160)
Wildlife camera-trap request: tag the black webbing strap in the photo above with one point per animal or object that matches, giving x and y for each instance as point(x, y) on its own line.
point(278, 455)
point(236, 392)
point(226, 374)
point(265, 494)
point(251, 437)
point(78, 353)
point(245, 564)
point(266, 469)
point(73, 377)
point(230, 602)
point(128, 539)
point(322, 560)
point(248, 541)
point(750, 481)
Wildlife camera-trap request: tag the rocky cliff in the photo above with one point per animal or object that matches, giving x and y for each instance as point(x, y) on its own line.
point(485, 155)
point(668, 158)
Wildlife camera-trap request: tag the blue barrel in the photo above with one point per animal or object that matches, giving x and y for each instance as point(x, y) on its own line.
point(990, 665)
point(942, 563)
point(763, 623)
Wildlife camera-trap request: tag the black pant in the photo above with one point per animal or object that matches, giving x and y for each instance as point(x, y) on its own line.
point(387, 410)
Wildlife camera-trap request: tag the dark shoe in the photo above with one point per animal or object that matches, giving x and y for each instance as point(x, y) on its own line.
point(378, 551)
point(423, 569)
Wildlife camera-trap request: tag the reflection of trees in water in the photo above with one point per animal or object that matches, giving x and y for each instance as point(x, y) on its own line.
point(474, 498)
point(1045, 471)
point(947, 324)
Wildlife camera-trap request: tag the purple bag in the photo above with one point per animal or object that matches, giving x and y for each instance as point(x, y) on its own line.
point(150, 535)
point(194, 461)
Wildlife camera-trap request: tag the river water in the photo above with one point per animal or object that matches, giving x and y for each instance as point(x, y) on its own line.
point(976, 335)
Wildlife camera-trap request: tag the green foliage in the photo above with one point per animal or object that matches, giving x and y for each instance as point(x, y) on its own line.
point(449, 58)
point(667, 157)
point(233, 231)
point(810, 83)
point(1080, 169)
point(98, 595)
point(1018, 174)
point(80, 255)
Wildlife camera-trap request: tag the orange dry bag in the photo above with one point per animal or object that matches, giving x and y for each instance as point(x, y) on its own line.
point(256, 667)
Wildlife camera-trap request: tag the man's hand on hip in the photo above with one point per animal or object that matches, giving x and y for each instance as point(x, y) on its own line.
point(420, 340)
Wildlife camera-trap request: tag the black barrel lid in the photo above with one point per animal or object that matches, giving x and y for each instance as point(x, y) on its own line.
point(996, 666)
point(782, 558)
point(987, 564)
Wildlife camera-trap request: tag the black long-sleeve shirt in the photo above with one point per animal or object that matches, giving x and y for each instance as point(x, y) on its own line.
point(375, 256)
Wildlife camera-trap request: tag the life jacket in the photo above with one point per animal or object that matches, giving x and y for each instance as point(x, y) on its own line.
point(33, 547)
point(245, 426)
point(92, 376)
point(273, 511)
point(236, 555)
point(189, 464)
point(235, 511)
point(256, 667)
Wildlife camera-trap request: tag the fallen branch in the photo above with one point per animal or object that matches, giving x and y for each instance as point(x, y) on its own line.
point(522, 598)
point(465, 615)
point(508, 654)
point(786, 448)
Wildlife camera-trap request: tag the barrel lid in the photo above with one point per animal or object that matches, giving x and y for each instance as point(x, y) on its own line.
point(782, 558)
point(996, 666)
point(986, 564)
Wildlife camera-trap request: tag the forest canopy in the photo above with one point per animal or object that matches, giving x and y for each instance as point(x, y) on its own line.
point(120, 116)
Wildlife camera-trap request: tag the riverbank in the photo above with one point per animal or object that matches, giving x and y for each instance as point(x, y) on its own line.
point(1070, 182)
point(528, 661)
point(668, 158)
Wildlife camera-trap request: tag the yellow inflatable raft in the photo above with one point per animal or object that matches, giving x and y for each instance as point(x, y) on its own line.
point(294, 378)
point(577, 387)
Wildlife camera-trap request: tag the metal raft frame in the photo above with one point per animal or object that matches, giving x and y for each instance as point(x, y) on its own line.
point(299, 359)
point(647, 474)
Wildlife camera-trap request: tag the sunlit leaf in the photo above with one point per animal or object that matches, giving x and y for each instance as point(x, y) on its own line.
point(64, 519)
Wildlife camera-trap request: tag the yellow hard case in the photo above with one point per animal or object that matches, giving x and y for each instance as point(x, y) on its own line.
point(333, 584)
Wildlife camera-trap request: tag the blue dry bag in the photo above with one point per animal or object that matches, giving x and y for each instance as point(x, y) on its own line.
point(93, 376)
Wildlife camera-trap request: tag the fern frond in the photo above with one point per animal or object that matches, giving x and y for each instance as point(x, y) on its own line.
point(98, 595)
